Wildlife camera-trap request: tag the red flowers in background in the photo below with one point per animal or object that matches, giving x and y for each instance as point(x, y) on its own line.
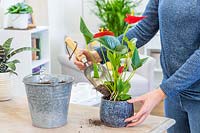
point(133, 19)
point(103, 32)
point(130, 19)
point(121, 69)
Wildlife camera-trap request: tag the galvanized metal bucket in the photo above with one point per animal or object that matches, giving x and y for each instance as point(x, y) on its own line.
point(48, 99)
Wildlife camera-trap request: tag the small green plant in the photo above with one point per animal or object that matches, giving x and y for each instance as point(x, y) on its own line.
point(6, 52)
point(20, 8)
point(113, 12)
point(117, 83)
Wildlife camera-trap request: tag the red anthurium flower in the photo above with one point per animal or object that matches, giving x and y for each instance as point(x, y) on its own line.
point(103, 33)
point(133, 19)
point(121, 69)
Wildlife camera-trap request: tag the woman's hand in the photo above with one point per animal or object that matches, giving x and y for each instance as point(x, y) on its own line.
point(149, 101)
point(91, 57)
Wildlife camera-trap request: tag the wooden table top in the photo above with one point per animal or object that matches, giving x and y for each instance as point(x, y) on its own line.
point(15, 118)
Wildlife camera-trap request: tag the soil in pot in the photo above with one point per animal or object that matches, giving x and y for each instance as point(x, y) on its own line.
point(113, 113)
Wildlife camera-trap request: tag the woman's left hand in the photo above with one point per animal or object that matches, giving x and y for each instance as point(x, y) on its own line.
point(149, 101)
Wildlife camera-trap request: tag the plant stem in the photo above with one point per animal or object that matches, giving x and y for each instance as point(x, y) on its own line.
point(116, 96)
point(104, 58)
point(130, 76)
point(96, 73)
point(129, 60)
point(127, 28)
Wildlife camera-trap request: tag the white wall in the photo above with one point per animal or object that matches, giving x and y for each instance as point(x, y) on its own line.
point(40, 13)
point(1, 15)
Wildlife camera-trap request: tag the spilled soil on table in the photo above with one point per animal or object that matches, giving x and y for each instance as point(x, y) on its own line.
point(95, 122)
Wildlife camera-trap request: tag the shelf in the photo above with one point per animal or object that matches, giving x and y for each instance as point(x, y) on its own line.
point(32, 31)
point(38, 29)
point(37, 63)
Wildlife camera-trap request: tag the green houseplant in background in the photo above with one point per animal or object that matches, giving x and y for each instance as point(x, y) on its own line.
point(19, 15)
point(113, 12)
point(8, 66)
point(114, 108)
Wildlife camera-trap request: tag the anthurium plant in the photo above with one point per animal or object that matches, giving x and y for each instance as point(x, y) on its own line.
point(6, 53)
point(117, 83)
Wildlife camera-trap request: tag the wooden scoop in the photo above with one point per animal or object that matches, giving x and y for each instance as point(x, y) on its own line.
point(77, 51)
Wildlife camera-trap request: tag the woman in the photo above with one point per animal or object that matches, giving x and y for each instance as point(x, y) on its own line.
point(179, 25)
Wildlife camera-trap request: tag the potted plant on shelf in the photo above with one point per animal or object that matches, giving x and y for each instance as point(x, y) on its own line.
point(8, 66)
point(19, 15)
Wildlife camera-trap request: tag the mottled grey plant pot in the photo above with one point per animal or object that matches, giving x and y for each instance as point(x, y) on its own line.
point(113, 114)
point(48, 103)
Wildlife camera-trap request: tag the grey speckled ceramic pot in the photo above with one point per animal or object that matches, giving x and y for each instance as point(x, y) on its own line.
point(48, 98)
point(113, 114)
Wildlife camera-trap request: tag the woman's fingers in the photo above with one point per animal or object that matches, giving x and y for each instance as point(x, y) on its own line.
point(138, 115)
point(139, 121)
point(141, 112)
point(149, 100)
point(135, 100)
point(79, 64)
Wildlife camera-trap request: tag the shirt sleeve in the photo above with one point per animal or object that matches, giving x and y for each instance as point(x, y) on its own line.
point(184, 77)
point(144, 30)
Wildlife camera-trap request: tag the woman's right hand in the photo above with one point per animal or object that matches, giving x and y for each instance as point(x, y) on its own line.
point(90, 55)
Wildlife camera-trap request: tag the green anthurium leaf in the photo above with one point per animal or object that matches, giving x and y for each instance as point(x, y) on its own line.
point(109, 42)
point(124, 97)
point(120, 85)
point(135, 60)
point(121, 49)
point(127, 87)
point(95, 69)
point(85, 31)
point(131, 44)
point(111, 58)
point(142, 61)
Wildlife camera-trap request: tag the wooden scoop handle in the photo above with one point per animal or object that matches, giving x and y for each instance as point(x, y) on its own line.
point(72, 45)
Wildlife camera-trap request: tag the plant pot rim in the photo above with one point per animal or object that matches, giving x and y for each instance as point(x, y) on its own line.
point(5, 73)
point(103, 99)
